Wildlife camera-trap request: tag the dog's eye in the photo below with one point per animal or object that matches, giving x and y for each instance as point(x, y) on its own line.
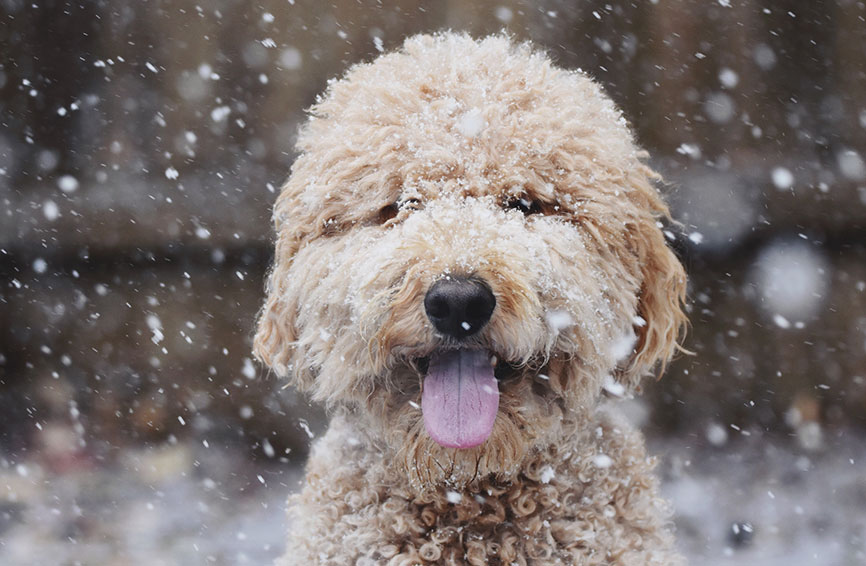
point(391, 211)
point(386, 213)
point(524, 205)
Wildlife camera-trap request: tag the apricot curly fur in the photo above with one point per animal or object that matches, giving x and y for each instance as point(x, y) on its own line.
point(415, 167)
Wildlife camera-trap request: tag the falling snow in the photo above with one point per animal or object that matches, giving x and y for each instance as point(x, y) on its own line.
point(782, 178)
point(138, 168)
point(471, 123)
point(67, 184)
point(50, 210)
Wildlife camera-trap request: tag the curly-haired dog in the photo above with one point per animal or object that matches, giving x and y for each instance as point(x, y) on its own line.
point(468, 254)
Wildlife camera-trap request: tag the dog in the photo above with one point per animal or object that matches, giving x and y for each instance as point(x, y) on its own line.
point(469, 261)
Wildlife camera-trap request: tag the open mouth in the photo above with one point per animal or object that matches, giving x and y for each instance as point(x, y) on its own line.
point(460, 396)
point(503, 371)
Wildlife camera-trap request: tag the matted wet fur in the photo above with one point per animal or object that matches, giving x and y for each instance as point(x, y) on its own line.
point(461, 158)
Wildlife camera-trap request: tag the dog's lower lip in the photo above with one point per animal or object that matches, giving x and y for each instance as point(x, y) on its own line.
point(502, 369)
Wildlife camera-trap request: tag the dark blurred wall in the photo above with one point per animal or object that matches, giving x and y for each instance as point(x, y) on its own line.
point(142, 144)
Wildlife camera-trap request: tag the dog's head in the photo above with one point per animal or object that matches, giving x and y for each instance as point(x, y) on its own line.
point(468, 252)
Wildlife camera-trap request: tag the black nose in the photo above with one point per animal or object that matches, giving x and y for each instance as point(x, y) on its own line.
point(459, 307)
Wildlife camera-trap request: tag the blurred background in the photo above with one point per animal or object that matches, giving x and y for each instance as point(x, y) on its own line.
point(142, 144)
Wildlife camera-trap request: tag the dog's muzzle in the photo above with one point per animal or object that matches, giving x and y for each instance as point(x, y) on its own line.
point(460, 395)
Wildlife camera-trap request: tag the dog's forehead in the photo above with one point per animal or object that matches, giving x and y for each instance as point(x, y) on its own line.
point(448, 114)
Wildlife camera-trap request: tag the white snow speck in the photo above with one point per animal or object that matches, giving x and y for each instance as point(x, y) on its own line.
point(503, 14)
point(782, 178)
point(696, 238)
point(453, 497)
point(202, 233)
point(602, 461)
point(205, 71)
point(689, 150)
point(728, 77)
point(725, 3)
point(791, 277)
point(291, 59)
point(471, 123)
point(851, 165)
point(155, 326)
point(558, 320)
point(171, 173)
point(377, 43)
point(249, 370)
point(267, 17)
point(717, 435)
point(151, 68)
point(781, 321)
point(466, 326)
point(67, 184)
point(268, 448)
point(547, 474)
point(613, 387)
point(50, 210)
point(764, 56)
point(40, 265)
point(220, 113)
point(269, 43)
point(623, 347)
point(719, 107)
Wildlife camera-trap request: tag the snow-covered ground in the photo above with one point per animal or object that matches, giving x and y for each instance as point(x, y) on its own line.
point(757, 502)
point(751, 502)
point(177, 504)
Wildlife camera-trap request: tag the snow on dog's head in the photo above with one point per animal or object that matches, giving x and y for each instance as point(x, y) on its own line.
point(467, 252)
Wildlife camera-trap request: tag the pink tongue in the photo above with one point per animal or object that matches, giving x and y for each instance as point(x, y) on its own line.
point(460, 398)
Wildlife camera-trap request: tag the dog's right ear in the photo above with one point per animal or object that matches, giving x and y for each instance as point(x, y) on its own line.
point(276, 336)
point(662, 295)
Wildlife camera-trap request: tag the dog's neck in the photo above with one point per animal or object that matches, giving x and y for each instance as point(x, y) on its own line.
point(451, 471)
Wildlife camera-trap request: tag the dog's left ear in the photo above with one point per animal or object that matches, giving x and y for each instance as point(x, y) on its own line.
point(661, 321)
point(276, 333)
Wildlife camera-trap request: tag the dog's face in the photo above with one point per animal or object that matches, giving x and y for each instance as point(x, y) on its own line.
point(468, 252)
